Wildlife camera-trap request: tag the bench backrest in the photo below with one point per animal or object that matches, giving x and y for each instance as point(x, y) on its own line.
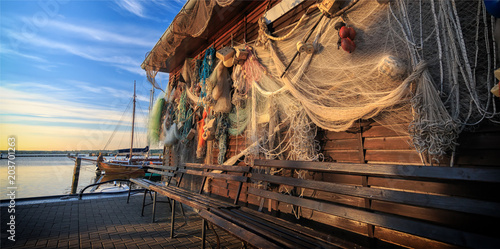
point(452, 205)
point(168, 172)
point(224, 172)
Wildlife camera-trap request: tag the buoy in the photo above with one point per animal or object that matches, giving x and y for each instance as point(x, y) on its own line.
point(301, 47)
point(225, 53)
point(344, 32)
point(352, 33)
point(309, 48)
point(392, 67)
point(229, 62)
point(347, 32)
point(497, 73)
point(241, 54)
point(495, 90)
point(348, 45)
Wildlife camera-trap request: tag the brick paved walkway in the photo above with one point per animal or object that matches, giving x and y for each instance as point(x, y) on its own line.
point(105, 223)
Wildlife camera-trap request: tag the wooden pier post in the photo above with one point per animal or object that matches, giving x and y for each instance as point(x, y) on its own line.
point(76, 175)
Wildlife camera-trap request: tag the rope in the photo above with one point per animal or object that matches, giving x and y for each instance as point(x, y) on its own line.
point(206, 70)
point(221, 135)
point(263, 26)
point(118, 125)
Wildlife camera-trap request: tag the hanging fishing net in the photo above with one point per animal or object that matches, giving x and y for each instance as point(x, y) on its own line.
point(155, 121)
point(422, 68)
point(413, 63)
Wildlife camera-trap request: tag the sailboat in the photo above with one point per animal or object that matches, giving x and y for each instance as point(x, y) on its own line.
point(135, 160)
point(131, 164)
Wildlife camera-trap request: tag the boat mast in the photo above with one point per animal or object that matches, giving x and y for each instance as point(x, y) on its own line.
point(132, 135)
point(151, 103)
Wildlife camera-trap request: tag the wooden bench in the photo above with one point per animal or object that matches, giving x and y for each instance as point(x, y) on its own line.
point(166, 172)
point(196, 199)
point(413, 206)
point(456, 206)
point(423, 205)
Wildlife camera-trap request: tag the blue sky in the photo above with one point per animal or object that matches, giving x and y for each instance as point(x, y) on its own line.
point(67, 70)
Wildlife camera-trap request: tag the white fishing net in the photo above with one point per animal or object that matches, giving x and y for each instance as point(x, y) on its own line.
point(422, 63)
point(406, 50)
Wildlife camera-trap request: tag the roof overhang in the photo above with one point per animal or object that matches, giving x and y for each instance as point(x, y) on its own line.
point(166, 61)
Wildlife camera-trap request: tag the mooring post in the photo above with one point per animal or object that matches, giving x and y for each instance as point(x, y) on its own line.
point(76, 175)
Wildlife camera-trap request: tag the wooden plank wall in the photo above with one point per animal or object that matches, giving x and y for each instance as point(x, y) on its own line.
point(365, 142)
point(369, 142)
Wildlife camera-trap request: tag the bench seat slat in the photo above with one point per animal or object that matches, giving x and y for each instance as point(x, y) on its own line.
point(242, 169)
point(237, 231)
point(162, 167)
point(142, 182)
point(176, 196)
point(274, 233)
point(163, 173)
point(214, 175)
point(406, 171)
point(418, 199)
point(394, 222)
point(327, 238)
point(201, 198)
point(190, 198)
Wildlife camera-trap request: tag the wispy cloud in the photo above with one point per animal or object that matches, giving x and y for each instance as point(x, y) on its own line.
point(46, 67)
point(109, 55)
point(152, 9)
point(7, 51)
point(36, 119)
point(35, 85)
point(101, 35)
point(20, 106)
point(133, 6)
point(107, 91)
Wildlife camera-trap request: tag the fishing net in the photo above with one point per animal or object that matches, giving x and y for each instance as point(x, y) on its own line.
point(425, 64)
point(456, 39)
point(413, 63)
point(191, 22)
point(155, 121)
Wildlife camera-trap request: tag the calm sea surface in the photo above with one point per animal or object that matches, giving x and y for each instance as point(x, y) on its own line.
point(44, 176)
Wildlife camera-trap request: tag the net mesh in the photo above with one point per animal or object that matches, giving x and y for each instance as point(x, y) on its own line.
point(425, 63)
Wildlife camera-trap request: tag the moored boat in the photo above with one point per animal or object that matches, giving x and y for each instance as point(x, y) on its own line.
point(120, 168)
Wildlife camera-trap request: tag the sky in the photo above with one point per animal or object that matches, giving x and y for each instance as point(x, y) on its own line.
point(67, 70)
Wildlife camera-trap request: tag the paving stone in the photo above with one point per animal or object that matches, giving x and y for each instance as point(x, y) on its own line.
point(107, 223)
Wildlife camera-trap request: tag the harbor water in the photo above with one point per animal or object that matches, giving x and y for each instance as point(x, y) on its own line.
point(44, 176)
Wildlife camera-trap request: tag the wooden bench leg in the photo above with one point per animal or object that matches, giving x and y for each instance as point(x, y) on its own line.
point(154, 207)
point(172, 220)
point(203, 232)
point(182, 211)
point(129, 190)
point(144, 201)
point(169, 204)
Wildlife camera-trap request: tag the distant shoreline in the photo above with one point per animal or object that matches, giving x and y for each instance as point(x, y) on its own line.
point(4, 155)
